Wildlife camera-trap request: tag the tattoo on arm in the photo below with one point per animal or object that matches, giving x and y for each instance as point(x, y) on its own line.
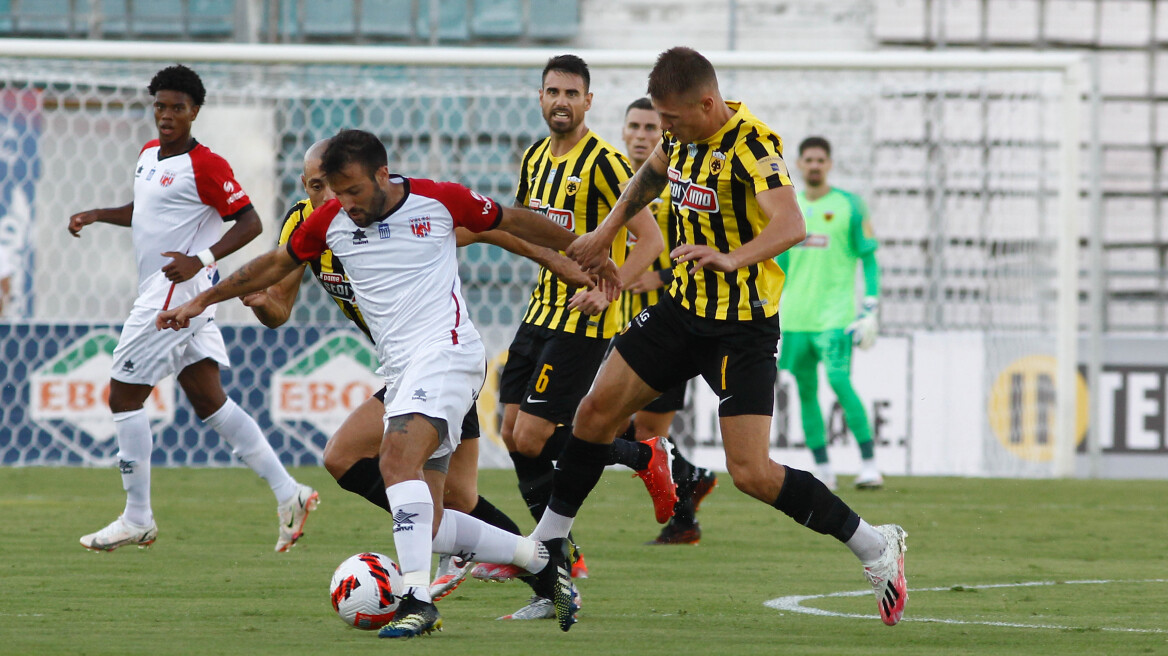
point(642, 190)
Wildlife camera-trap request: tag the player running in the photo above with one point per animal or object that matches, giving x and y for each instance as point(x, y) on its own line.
point(737, 211)
point(396, 237)
point(183, 194)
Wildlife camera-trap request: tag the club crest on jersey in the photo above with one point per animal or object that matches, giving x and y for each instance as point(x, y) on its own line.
point(687, 195)
point(359, 237)
point(717, 162)
point(573, 185)
point(167, 178)
point(420, 225)
point(827, 216)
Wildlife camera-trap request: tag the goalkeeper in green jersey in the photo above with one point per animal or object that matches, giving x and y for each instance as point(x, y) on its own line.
point(818, 308)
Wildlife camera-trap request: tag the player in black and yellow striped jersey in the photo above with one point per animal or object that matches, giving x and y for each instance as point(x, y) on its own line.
point(737, 210)
point(641, 132)
point(351, 455)
point(575, 178)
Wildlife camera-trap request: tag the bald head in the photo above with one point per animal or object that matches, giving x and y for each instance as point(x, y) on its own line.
point(312, 178)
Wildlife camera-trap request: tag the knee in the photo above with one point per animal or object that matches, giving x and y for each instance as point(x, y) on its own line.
point(595, 420)
point(752, 481)
point(529, 441)
point(335, 461)
point(460, 498)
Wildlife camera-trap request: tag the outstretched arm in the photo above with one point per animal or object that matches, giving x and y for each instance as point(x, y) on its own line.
point(262, 272)
point(560, 266)
point(591, 250)
point(273, 305)
point(119, 216)
point(538, 229)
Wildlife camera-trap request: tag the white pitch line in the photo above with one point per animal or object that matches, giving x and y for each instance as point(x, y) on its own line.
point(794, 604)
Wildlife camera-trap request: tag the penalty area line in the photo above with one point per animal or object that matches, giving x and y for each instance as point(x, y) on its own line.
point(794, 604)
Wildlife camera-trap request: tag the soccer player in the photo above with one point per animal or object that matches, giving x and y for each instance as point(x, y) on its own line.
point(641, 132)
point(351, 454)
point(183, 194)
point(737, 211)
point(818, 311)
point(574, 177)
point(396, 238)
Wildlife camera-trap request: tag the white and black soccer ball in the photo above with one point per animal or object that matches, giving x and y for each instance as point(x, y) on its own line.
point(365, 590)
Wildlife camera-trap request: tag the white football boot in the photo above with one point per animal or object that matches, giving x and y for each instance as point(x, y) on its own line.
point(452, 570)
point(293, 514)
point(121, 533)
point(869, 478)
point(887, 574)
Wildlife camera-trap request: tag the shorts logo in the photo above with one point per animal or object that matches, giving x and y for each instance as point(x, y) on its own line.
point(128, 365)
point(641, 318)
point(382, 231)
point(420, 225)
point(687, 195)
point(717, 162)
point(359, 237)
point(167, 178)
point(419, 395)
point(573, 185)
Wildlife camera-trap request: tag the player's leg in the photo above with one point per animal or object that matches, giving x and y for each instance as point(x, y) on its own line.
point(352, 453)
point(800, 357)
point(743, 379)
point(142, 357)
point(836, 349)
point(533, 473)
point(693, 483)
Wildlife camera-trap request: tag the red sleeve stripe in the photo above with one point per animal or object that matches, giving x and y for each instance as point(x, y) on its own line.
point(457, 317)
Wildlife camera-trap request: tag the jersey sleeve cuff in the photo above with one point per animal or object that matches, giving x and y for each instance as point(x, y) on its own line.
point(238, 213)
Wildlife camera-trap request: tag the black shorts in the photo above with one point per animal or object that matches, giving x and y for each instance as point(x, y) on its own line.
point(671, 400)
point(548, 371)
point(667, 345)
point(470, 423)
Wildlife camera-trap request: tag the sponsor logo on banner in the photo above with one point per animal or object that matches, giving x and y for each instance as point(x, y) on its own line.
point(687, 195)
point(327, 381)
point(73, 388)
point(1022, 407)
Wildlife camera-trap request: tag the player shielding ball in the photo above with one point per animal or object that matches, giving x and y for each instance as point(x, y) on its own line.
point(396, 237)
point(183, 194)
point(737, 211)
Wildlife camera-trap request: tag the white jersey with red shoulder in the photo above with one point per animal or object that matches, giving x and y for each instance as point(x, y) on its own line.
point(403, 267)
point(180, 204)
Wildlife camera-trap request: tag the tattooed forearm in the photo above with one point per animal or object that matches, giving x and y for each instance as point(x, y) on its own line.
point(258, 274)
point(645, 186)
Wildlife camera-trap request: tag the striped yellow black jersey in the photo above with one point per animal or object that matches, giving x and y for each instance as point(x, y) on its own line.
point(576, 190)
point(634, 302)
point(329, 271)
point(712, 186)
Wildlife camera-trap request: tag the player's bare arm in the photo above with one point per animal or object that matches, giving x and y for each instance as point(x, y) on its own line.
point(649, 245)
point(560, 266)
point(273, 306)
point(246, 227)
point(784, 230)
point(538, 229)
point(119, 216)
point(591, 249)
point(258, 274)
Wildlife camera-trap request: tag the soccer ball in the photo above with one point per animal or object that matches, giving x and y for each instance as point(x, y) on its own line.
point(365, 590)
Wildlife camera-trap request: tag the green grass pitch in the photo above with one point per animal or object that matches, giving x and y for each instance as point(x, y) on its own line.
point(212, 584)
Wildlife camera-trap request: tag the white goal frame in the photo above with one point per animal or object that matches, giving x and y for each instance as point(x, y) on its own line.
point(1072, 68)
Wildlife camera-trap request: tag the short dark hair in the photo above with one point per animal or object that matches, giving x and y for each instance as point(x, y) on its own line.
point(815, 142)
point(570, 64)
point(681, 70)
point(639, 103)
point(350, 146)
point(179, 78)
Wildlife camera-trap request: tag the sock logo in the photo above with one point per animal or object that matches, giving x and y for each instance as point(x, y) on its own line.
point(403, 521)
point(126, 466)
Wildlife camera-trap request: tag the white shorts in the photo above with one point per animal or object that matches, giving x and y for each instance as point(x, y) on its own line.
point(146, 355)
point(440, 382)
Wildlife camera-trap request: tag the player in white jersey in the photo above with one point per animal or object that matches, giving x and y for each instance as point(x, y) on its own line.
point(396, 237)
point(183, 194)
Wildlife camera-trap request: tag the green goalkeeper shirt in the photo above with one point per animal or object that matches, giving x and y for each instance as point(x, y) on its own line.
point(820, 292)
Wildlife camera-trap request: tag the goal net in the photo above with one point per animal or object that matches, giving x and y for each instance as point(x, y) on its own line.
point(968, 164)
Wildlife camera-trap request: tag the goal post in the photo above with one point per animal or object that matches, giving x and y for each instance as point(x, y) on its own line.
point(969, 161)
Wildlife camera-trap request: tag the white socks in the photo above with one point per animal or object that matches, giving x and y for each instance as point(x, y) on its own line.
point(413, 521)
point(135, 443)
point(474, 539)
point(248, 444)
point(867, 543)
point(552, 525)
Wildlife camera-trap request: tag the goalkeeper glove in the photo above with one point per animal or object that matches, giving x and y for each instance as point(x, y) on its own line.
point(863, 329)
